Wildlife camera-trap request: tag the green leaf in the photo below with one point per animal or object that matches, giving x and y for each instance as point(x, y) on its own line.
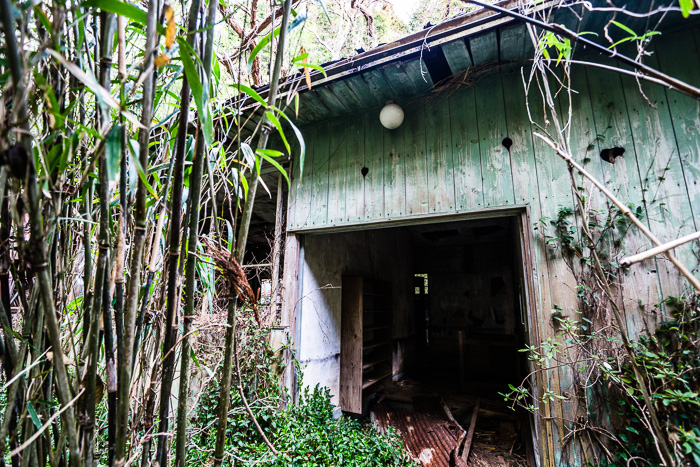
point(686, 7)
point(200, 91)
point(113, 152)
point(263, 42)
point(271, 116)
point(251, 92)
point(312, 66)
point(244, 184)
point(625, 28)
point(139, 169)
point(274, 163)
point(302, 144)
point(34, 416)
point(248, 155)
point(120, 8)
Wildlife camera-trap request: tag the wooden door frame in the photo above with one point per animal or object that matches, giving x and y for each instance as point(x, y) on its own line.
point(293, 279)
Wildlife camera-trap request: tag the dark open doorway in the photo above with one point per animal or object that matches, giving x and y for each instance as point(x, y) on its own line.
point(429, 318)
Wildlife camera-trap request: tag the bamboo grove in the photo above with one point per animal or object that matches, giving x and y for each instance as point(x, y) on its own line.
point(107, 177)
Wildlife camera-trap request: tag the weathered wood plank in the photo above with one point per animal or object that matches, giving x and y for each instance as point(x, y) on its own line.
point(457, 55)
point(300, 201)
point(668, 210)
point(418, 73)
point(374, 162)
point(355, 159)
point(362, 91)
point(396, 76)
point(685, 114)
point(337, 169)
point(555, 192)
point(415, 160)
point(346, 96)
point(330, 100)
point(394, 172)
point(484, 48)
point(441, 188)
point(495, 158)
point(469, 187)
point(622, 177)
point(319, 183)
point(379, 86)
point(351, 345)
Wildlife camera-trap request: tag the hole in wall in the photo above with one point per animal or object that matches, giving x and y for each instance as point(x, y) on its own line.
point(364, 171)
point(507, 143)
point(610, 154)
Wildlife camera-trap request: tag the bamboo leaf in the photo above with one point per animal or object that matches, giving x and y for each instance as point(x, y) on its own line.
point(261, 45)
point(200, 92)
point(271, 116)
point(302, 144)
point(120, 8)
point(625, 28)
point(113, 152)
point(274, 163)
point(100, 93)
point(251, 92)
point(33, 415)
point(248, 155)
point(244, 184)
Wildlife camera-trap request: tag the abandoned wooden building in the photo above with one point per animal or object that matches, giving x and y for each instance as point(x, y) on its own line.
point(428, 255)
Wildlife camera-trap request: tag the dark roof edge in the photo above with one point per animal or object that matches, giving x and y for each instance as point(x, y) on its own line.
point(475, 22)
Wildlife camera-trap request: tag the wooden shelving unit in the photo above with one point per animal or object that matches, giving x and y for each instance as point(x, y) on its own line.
point(365, 341)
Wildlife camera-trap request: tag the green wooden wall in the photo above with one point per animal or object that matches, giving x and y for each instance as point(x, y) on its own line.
point(448, 157)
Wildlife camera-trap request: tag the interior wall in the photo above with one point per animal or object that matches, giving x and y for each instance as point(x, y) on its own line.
point(381, 254)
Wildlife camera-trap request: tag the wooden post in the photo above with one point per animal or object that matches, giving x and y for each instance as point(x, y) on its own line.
point(462, 378)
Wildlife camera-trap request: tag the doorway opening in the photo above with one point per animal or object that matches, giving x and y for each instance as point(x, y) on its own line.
point(430, 319)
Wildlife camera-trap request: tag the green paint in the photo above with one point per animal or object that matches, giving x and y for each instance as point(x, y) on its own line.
point(457, 56)
point(319, 179)
point(374, 155)
point(415, 161)
point(394, 173)
point(355, 160)
point(495, 159)
point(336, 172)
point(441, 189)
point(469, 186)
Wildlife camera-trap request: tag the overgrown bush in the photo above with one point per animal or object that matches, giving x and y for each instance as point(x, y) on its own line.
point(305, 434)
point(670, 360)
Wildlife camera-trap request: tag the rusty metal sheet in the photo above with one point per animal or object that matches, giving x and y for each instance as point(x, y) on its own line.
point(427, 433)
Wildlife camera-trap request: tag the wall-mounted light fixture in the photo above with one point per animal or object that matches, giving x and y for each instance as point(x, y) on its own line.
point(391, 116)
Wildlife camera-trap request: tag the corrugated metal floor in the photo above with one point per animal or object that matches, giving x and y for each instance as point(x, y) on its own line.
point(427, 432)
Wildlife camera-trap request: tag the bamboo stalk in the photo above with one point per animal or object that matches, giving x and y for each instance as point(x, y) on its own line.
point(240, 253)
point(134, 285)
point(659, 249)
point(43, 277)
point(102, 273)
point(196, 176)
point(173, 285)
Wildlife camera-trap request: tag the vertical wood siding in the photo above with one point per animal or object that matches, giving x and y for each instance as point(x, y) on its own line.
point(449, 157)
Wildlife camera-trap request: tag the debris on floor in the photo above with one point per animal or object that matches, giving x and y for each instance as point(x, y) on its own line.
point(452, 431)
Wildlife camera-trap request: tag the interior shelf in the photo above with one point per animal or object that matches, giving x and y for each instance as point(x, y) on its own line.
point(374, 380)
point(369, 363)
point(365, 340)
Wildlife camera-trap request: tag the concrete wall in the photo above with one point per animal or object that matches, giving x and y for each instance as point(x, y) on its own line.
point(381, 254)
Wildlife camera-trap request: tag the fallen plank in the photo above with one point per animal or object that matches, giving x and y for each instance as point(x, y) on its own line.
point(470, 433)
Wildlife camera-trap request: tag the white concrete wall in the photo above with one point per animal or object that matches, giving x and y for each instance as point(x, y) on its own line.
point(382, 254)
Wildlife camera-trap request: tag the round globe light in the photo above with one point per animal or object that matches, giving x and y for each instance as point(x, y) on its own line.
point(391, 116)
